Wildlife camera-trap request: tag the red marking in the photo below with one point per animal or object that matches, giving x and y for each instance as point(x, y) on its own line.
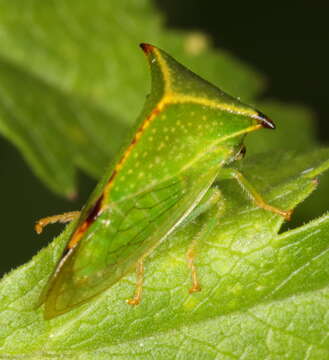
point(92, 216)
point(94, 211)
point(133, 142)
point(97, 208)
point(147, 48)
point(155, 112)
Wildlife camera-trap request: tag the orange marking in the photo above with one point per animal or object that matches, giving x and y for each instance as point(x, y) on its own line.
point(133, 143)
point(77, 235)
point(94, 212)
point(147, 48)
point(98, 207)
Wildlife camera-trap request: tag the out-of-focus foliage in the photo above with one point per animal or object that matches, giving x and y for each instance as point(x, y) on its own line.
point(72, 81)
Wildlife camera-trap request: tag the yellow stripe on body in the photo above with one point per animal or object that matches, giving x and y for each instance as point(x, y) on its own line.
point(169, 97)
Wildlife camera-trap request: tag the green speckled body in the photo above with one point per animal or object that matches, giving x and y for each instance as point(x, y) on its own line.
point(187, 132)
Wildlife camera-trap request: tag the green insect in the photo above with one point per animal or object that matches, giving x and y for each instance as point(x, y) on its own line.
point(186, 136)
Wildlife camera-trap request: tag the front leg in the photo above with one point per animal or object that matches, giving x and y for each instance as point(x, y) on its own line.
point(61, 218)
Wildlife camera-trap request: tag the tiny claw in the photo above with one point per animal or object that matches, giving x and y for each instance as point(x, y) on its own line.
point(194, 288)
point(38, 228)
point(133, 301)
point(287, 215)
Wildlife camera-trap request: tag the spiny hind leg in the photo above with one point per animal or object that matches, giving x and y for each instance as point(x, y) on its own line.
point(139, 284)
point(62, 218)
point(229, 173)
point(207, 213)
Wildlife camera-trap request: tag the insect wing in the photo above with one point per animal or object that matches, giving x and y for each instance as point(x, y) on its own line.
point(124, 233)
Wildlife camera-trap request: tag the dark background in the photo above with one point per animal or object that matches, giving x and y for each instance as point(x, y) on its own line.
point(288, 44)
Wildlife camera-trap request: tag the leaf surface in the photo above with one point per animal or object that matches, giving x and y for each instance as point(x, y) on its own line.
point(263, 294)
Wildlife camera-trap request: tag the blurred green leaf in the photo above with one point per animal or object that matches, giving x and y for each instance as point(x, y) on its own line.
point(263, 295)
point(41, 122)
point(72, 79)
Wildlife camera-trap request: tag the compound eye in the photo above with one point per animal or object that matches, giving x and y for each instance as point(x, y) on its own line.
point(241, 153)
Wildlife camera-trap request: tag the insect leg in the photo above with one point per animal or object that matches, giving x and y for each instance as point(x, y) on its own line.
point(228, 173)
point(211, 198)
point(210, 207)
point(190, 262)
point(62, 218)
point(139, 284)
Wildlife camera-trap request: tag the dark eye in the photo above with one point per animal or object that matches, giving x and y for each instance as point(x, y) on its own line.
point(241, 153)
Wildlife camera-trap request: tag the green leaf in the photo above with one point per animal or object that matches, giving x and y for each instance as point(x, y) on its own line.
point(42, 122)
point(263, 295)
point(71, 85)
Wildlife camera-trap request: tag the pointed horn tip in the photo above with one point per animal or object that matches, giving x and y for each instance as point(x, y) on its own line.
point(265, 121)
point(147, 48)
